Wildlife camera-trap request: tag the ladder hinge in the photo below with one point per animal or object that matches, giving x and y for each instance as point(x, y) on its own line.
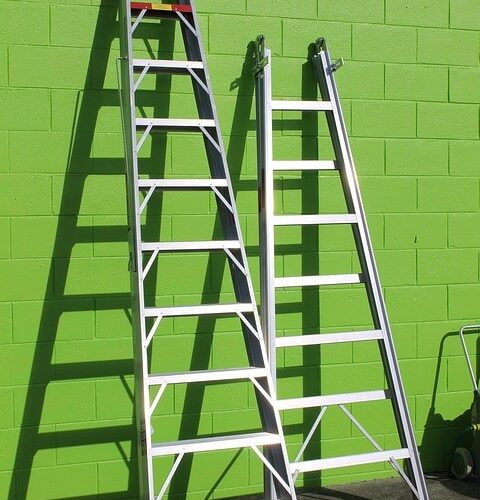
point(337, 64)
point(260, 60)
point(260, 65)
point(143, 441)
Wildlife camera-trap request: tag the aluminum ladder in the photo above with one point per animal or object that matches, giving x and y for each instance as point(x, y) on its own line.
point(343, 163)
point(268, 444)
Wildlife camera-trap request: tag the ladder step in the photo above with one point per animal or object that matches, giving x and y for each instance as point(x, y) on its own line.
point(201, 310)
point(166, 66)
point(300, 220)
point(207, 376)
point(364, 458)
point(302, 105)
point(182, 183)
point(332, 279)
point(215, 443)
point(304, 165)
point(187, 246)
point(327, 338)
point(185, 124)
point(331, 400)
point(161, 7)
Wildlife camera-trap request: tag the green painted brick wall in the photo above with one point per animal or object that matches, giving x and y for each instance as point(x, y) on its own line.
point(410, 92)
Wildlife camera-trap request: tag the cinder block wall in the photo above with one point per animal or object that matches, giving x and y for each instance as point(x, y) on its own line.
point(410, 91)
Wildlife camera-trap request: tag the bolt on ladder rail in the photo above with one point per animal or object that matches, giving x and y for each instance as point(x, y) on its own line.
point(269, 444)
point(268, 221)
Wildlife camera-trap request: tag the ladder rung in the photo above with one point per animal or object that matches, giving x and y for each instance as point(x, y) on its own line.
point(302, 105)
point(200, 310)
point(215, 443)
point(301, 220)
point(331, 400)
point(207, 376)
point(364, 458)
point(186, 124)
point(327, 338)
point(182, 183)
point(187, 246)
point(161, 7)
point(166, 66)
point(332, 279)
point(304, 165)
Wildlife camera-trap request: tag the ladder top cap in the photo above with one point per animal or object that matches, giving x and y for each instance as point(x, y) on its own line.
point(161, 6)
point(320, 45)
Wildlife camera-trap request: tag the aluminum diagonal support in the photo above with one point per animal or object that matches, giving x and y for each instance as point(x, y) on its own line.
point(187, 24)
point(137, 21)
point(308, 439)
point(211, 139)
point(262, 390)
point(153, 330)
point(198, 79)
point(235, 261)
point(141, 77)
point(248, 324)
point(392, 461)
point(223, 199)
point(145, 201)
point(360, 427)
point(150, 262)
point(144, 136)
point(170, 475)
point(159, 394)
point(404, 477)
point(270, 467)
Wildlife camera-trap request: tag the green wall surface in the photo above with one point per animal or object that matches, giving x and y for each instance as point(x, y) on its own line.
point(410, 91)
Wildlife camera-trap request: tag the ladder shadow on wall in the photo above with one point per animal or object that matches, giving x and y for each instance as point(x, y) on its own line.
point(112, 438)
point(74, 228)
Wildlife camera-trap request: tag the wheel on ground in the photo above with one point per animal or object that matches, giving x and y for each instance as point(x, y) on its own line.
point(462, 463)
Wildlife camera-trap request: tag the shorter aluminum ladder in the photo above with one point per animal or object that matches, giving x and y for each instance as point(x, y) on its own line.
point(343, 163)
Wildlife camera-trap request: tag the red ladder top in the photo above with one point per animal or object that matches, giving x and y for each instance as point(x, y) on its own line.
point(161, 6)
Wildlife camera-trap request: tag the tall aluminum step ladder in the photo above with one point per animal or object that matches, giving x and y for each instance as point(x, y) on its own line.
point(143, 254)
point(343, 163)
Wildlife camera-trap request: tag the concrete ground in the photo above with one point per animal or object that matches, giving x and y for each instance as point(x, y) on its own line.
point(441, 487)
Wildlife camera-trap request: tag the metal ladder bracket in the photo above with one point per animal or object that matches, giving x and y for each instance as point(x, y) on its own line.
point(337, 64)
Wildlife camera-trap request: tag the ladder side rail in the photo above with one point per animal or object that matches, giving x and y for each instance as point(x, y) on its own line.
point(362, 238)
point(256, 349)
point(268, 235)
point(217, 157)
point(218, 163)
point(244, 287)
point(142, 397)
point(323, 67)
point(219, 169)
point(263, 99)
